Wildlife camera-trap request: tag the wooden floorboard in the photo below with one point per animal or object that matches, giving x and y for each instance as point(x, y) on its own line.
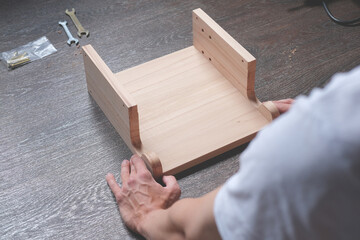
point(55, 143)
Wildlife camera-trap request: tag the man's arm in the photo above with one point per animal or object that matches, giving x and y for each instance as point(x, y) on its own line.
point(155, 212)
point(186, 219)
point(150, 209)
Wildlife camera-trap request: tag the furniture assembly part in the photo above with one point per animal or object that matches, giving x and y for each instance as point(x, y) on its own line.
point(227, 55)
point(181, 109)
point(119, 106)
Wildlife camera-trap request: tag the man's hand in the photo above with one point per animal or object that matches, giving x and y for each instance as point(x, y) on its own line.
point(284, 104)
point(142, 201)
point(140, 194)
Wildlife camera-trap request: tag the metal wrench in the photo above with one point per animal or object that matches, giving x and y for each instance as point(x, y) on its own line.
point(68, 33)
point(77, 23)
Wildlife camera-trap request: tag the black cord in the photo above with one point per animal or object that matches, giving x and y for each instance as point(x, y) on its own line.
point(338, 21)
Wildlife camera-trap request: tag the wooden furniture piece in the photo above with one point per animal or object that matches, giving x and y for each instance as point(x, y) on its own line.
point(186, 107)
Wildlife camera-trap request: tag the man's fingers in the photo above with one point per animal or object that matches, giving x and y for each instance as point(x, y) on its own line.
point(170, 182)
point(287, 100)
point(125, 170)
point(132, 167)
point(173, 189)
point(139, 164)
point(283, 105)
point(115, 188)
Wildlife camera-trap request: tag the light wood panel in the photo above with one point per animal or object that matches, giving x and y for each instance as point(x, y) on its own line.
point(188, 111)
point(226, 54)
point(118, 106)
point(192, 105)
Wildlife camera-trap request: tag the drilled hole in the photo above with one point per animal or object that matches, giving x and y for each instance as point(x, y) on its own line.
point(242, 60)
point(202, 52)
point(202, 30)
point(196, 18)
point(209, 36)
point(210, 59)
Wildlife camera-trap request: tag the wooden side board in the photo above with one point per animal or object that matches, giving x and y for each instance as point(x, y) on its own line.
point(187, 106)
point(117, 104)
point(188, 111)
point(226, 54)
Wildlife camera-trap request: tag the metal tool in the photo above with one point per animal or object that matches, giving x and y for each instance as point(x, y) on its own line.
point(78, 25)
point(68, 33)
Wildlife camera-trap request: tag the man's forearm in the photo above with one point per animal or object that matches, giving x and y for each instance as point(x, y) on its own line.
point(185, 219)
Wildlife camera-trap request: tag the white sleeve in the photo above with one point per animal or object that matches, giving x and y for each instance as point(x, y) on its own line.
point(300, 177)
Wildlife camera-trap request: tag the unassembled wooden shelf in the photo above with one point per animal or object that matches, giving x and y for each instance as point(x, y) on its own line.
point(183, 108)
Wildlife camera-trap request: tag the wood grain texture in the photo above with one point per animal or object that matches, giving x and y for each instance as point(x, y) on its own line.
point(195, 103)
point(188, 111)
point(117, 104)
point(226, 54)
point(56, 145)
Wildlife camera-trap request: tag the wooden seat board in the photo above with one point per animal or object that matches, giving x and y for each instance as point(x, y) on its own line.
point(185, 107)
point(183, 101)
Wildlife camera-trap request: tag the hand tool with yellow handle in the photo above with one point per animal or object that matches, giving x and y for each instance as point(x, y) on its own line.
point(78, 25)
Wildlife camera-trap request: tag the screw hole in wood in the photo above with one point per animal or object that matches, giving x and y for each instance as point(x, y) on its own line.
point(202, 52)
point(210, 59)
point(202, 30)
point(209, 36)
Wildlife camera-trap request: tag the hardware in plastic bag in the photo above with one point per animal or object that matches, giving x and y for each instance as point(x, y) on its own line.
point(27, 53)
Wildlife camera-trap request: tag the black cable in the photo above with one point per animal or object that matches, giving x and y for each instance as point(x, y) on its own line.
point(338, 21)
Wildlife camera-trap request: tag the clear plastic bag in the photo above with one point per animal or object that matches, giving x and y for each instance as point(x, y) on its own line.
point(27, 53)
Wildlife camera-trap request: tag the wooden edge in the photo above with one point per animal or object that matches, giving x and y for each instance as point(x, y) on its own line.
point(153, 164)
point(114, 100)
point(234, 62)
point(227, 38)
point(134, 127)
point(210, 155)
point(269, 110)
point(89, 51)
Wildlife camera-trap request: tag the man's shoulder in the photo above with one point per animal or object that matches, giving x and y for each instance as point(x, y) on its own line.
point(303, 168)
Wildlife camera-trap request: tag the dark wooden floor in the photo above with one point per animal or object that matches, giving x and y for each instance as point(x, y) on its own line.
point(55, 143)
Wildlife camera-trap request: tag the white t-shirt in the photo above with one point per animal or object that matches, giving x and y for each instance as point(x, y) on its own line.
point(300, 177)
